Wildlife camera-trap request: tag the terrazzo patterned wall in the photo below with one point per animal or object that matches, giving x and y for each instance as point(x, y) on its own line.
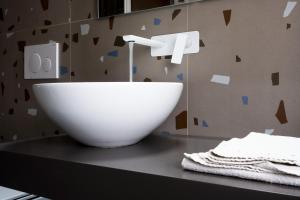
point(245, 78)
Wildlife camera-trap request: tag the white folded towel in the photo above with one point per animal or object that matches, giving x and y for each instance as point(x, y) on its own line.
point(259, 146)
point(262, 176)
point(259, 156)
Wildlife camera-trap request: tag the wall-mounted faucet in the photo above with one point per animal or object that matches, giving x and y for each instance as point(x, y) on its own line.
point(176, 45)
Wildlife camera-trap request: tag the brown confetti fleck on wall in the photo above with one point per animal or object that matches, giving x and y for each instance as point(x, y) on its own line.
point(44, 30)
point(275, 78)
point(15, 63)
point(95, 40)
point(26, 95)
point(47, 22)
point(111, 22)
point(65, 47)
point(2, 88)
point(119, 42)
point(227, 16)
point(175, 13)
point(75, 37)
point(147, 80)
point(201, 43)
point(11, 111)
point(21, 45)
point(45, 4)
point(181, 120)
point(11, 28)
point(1, 15)
point(281, 114)
point(196, 123)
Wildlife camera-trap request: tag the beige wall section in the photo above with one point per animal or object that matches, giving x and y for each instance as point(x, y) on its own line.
point(17, 97)
point(264, 41)
point(32, 14)
point(258, 34)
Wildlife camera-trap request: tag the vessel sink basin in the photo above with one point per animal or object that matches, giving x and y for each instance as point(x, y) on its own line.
point(108, 114)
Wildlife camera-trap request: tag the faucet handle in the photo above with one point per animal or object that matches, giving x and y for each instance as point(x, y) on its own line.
point(180, 43)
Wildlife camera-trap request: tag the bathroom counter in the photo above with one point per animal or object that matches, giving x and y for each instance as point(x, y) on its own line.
point(61, 168)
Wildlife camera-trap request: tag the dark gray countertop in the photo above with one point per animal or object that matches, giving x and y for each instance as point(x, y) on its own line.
point(158, 156)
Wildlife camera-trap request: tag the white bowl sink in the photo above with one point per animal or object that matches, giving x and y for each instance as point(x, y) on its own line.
point(108, 114)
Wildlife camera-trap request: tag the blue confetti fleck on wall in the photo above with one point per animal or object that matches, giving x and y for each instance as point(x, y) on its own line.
point(134, 70)
point(156, 21)
point(113, 53)
point(180, 77)
point(63, 70)
point(204, 124)
point(245, 100)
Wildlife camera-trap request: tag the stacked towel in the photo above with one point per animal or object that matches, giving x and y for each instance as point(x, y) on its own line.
point(258, 156)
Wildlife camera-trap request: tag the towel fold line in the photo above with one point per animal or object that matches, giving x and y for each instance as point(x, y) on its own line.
point(262, 176)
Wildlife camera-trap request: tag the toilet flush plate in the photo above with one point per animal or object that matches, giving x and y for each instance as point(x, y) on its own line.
point(41, 61)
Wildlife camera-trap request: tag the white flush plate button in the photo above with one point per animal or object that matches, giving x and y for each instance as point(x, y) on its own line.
point(47, 64)
point(35, 63)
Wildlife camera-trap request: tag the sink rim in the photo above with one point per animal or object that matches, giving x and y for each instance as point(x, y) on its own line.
point(106, 83)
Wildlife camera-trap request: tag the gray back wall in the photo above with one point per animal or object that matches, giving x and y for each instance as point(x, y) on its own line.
point(249, 43)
